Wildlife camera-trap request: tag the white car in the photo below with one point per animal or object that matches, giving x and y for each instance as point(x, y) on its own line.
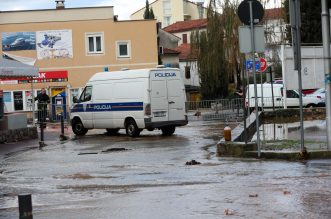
point(320, 94)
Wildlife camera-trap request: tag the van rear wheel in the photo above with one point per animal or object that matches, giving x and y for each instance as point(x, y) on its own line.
point(169, 130)
point(112, 131)
point(78, 127)
point(132, 129)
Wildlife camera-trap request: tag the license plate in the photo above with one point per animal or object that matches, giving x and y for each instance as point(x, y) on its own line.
point(160, 114)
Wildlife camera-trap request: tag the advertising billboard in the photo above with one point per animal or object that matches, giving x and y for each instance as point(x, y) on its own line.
point(53, 44)
point(14, 41)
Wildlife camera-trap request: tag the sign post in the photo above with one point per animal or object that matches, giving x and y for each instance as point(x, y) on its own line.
point(251, 12)
point(295, 21)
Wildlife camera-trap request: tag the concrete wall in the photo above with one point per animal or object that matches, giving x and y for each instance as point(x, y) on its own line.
point(312, 68)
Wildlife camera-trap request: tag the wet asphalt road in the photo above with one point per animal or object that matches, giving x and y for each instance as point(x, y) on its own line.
point(81, 179)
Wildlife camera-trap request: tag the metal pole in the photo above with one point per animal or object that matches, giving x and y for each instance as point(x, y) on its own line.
point(33, 103)
point(254, 76)
point(326, 61)
point(248, 97)
point(262, 100)
point(272, 89)
point(284, 76)
point(298, 29)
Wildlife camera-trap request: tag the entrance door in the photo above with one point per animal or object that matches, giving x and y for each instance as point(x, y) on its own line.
point(58, 103)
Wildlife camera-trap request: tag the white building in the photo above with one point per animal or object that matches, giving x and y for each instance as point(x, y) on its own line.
point(171, 11)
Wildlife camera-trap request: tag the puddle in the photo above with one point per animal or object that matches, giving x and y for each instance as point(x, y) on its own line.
point(313, 130)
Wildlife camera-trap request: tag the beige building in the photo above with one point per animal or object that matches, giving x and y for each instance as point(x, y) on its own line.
point(171, 11)
point(69, 45)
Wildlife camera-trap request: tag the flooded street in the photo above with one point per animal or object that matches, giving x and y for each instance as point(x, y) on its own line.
point(100, 176)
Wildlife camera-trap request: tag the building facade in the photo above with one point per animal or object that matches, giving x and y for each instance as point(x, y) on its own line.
point(171, 11)
point(187, 61)
point(69, 45)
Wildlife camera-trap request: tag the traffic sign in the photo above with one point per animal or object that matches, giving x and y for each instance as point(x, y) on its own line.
point(244, 11)
point(263, 65)
point(249, 65)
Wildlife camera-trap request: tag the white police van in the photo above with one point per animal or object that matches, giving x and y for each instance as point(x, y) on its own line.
point(132, 100)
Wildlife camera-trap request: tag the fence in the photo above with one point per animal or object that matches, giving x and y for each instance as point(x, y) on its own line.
point(49, 113)
point(221, 109)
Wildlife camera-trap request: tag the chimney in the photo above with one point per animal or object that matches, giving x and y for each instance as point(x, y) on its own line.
point(59, 4)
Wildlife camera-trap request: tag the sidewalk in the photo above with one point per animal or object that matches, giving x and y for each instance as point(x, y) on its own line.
point(51, 136)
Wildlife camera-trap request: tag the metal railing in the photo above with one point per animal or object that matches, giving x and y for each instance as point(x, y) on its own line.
point(220, 109)
point(49, 113)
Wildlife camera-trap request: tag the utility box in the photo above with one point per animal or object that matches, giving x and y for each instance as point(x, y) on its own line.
point(1, 104)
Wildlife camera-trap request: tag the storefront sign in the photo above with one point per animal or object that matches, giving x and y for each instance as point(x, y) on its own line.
point(48, 76)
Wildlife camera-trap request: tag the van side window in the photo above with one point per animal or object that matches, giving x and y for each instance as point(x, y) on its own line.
point(86, 95)
point(291, 94)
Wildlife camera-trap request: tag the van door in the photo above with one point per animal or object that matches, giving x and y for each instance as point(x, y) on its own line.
point(176, 99)
point(84, 107)
point(159, 99)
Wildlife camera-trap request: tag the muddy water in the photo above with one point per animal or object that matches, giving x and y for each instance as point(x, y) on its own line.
point(82, 178)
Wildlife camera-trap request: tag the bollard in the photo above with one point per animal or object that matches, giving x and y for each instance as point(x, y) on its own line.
point(41, 142)
point(62, 136)
point(25, 206)
point(227, 133)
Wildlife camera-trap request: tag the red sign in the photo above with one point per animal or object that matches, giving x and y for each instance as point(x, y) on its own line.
point(263, 64)
point(47, 75)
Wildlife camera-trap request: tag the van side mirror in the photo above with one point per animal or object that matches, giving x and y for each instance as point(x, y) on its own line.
point(75, 100)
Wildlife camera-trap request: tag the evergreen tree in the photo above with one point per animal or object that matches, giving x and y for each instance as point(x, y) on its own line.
point(208, 46)
point(311, 25)
point(147, 11)
point(151, 14)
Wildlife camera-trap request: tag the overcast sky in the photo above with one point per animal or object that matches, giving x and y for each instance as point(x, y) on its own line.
point(123, 8)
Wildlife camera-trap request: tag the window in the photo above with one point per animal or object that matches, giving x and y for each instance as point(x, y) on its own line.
point(123, 49)
point(94, 43)
point(18, 100)
point(187, 72)
point(166, 7)
point(167, 21)
point(74, 93)
point(185, 38)
point(86, 95)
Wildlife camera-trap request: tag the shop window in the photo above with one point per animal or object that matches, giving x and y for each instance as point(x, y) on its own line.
point(74, 93)
point(94, 43)
point(123, 49)
point(187, 72)
point(18, 100)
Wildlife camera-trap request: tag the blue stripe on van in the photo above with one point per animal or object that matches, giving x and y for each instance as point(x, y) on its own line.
point(103, 107)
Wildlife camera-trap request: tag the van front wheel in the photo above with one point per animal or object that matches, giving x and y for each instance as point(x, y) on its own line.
point(78, 127)
point(132, 129)
point(169, 130)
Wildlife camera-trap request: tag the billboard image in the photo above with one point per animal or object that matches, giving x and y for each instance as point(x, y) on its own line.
point(13, 41)
point(54, 44)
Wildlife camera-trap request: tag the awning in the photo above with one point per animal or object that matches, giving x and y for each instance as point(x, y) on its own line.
point(24, 60)
point(9, 68)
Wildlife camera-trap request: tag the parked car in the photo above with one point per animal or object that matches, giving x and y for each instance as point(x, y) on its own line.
point(320, 94)
point(292, 97)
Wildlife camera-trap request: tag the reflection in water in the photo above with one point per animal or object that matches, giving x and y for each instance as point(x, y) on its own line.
point(313, 130)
